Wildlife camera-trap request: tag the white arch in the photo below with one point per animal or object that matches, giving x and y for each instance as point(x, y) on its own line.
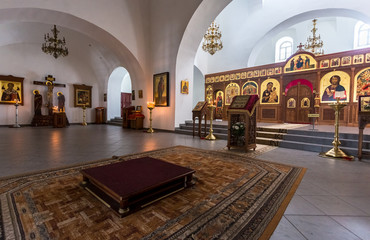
point(333, 12)
point(197, 26)
point(117, 79)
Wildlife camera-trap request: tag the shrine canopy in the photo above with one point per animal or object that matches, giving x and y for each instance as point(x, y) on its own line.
point(245, 102)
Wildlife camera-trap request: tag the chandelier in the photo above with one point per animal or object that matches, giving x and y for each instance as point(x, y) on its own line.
point(314, 44)
point(212, 39)
point(53, 45)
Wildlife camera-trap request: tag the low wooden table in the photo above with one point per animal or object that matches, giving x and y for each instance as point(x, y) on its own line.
point(133, 184)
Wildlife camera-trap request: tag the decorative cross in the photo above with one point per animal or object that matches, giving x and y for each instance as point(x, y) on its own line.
point(49, 82)
point(300, 47)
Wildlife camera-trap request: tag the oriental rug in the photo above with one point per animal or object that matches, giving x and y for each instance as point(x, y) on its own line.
point(235, 197)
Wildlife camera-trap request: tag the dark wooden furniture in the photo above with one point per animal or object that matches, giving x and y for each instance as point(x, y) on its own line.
point(125, 113)
point(363, 120)
point(200, 111)
point(242, 110)
point(100, 115)
point(133, 184)
point(60, 120)
point(136, 119)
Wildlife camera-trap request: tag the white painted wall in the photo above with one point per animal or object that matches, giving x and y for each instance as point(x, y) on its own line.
point(198, 88)
point(27, 60)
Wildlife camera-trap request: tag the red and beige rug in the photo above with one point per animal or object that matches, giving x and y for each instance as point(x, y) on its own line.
point(235, 197)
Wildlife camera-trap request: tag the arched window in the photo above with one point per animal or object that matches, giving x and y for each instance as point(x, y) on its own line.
point(283, 49)
point(361, 35)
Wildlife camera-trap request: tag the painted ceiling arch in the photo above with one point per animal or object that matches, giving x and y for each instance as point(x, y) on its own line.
point(34, 20)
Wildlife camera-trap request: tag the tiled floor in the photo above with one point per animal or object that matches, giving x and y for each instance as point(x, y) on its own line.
point(332, 202)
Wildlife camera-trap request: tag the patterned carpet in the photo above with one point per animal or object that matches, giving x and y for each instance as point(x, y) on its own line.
point(235, 197)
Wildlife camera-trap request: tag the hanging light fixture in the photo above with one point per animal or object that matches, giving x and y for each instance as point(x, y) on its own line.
point(314, 44)
point(212, 39)
point(54, 46)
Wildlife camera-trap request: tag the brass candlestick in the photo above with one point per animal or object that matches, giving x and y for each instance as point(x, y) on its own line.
point(84, 123)
point(335, 151)
point(150, 106)
point(16, 125)
point(210, 136)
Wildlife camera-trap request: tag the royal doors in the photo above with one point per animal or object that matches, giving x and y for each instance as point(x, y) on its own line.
point(298, 102)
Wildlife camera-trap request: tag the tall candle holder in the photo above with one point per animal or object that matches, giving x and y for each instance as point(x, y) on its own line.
point(210, 136)
point(150, 106)
point(16, 125)
point(335, 151)
point(84, 123)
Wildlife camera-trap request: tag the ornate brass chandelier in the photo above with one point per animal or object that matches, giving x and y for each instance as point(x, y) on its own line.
point(54, 46)
point(212, 39)
point(314, 44)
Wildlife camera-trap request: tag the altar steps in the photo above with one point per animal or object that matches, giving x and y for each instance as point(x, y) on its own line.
point(117, 121)
point(305, 140)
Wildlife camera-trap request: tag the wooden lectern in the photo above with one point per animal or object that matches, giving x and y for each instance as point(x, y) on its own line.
point(242, 124)
point(199, 111)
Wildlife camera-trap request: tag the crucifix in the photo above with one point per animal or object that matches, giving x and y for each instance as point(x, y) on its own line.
point(49, 82)
point(300, 47)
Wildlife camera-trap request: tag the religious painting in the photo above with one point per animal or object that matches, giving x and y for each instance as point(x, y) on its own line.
point(105, 97)
point(362, 84)
point(324, 63)
point(256, 73)
point(358, 59)
point(270, 71)
point(249, 74)
point(291, 103)
point(227, 77)
point(133, 95)
point(209, 94)
point(222, 78)
point(335, 62)
point(161, 89)
point(219, 99)
point(237, 76)
point(333, 85)
point(305, 103)
point(270, 91)
point(11, 90)
point(346, 61)
point(263, 72)
point(231, 91)
point(278, 70)
point(300, 62)
point(217, 79)
point(232, 76)
point(367, 58)
point(82, 95)
point(250, 88)
point(184, 87)
point(364, 104)
point(244, 75)
point(140, 93)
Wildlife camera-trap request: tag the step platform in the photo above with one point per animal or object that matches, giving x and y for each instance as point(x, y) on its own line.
point(131, 185)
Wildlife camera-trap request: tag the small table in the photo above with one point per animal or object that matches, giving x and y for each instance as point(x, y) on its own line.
point(133, 184)
point(60, 120)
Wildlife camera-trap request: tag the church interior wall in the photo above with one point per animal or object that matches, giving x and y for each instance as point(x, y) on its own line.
point(26, 60)
point(198, 87)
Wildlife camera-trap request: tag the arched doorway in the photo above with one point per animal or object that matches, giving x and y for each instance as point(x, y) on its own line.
point(119, 92)
point(298, 101)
